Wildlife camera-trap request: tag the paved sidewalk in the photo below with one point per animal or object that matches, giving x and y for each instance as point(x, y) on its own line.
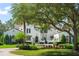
point(6, 52)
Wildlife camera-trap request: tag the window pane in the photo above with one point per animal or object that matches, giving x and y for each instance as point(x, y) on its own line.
point(27, 30)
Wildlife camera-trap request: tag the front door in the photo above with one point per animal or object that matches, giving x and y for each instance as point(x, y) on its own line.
point(45, 40)
point(36, 39)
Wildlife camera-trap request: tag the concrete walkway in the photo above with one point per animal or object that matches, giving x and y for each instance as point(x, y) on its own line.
point(6, 52)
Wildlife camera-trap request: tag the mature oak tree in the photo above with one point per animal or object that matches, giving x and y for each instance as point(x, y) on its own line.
point(63, 17)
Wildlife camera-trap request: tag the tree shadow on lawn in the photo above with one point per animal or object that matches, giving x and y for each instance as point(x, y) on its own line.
point(58, 53)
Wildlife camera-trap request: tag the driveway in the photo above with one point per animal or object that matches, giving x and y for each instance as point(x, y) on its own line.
point(6, 52)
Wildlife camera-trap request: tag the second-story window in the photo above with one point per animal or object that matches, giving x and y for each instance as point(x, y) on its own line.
point(45, 31)
point(28, 30)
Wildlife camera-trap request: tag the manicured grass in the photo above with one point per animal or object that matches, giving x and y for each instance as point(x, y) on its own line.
point(7, 46)
point(45, 52)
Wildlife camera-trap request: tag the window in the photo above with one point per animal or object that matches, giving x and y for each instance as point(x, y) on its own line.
point(51, 37)
point(29, 37)
point(28, 30)
point(21, 29)
point(36, 39)
point(13, 30)
point(43, 38)
point(43, 31)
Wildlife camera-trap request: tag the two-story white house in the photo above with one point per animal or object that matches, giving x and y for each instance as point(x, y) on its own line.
point(37, 36)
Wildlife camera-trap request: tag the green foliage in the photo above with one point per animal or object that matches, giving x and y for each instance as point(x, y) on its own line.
point(8, 46)
point(59, 16)
point(47, 52)
point(8, 39)
point(63, 39)
point(28, 47)
point(33, 47)
point(22, 12)
point(9, 24)
point(69, 46)
point(1, 39)
point(78, 38)
point(5, 39)
point(20, 37)
point(2, 27)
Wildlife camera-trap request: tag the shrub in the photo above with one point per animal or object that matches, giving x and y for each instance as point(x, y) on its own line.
point(1, 43)
point(78, 38)
point(29, 42)
point(69, 46)
point(58, 43)
point(50, 42)
point(19, 37)
point(63, 39)
point(41, 42)
point(33, 47)
point(7, 39)
point(66, 46)
point(1, 39)
point(28, 47)
point(24, 47)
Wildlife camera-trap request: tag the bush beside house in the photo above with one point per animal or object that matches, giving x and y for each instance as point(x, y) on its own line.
point(1, 39)
point(20, 37)
point(28, 47)
point(63, 39)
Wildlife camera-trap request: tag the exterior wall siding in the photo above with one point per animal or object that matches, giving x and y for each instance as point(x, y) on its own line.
point(33, 33)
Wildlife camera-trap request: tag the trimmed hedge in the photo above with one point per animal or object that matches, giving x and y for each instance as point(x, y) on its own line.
point(1, 43)
point(28, 47)
point(67, 46)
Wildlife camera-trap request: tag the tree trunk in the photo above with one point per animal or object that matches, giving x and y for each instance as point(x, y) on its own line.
point(75, 39)
point(24, 25)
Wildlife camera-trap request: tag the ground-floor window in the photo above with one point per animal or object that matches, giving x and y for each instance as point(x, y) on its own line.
point(36, 39)
point(29, 37)
point(51, 37)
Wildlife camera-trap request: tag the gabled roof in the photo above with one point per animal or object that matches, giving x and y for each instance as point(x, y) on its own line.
point(12, 32)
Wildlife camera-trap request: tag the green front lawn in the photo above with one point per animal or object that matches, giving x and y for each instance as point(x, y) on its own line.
point(7, 46)
point(45, 52)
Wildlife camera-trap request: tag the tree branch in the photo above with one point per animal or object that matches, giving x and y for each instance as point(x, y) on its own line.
point(65, 23)
point(52, 22)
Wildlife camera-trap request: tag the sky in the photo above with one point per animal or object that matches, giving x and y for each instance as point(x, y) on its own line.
point(5, 14)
